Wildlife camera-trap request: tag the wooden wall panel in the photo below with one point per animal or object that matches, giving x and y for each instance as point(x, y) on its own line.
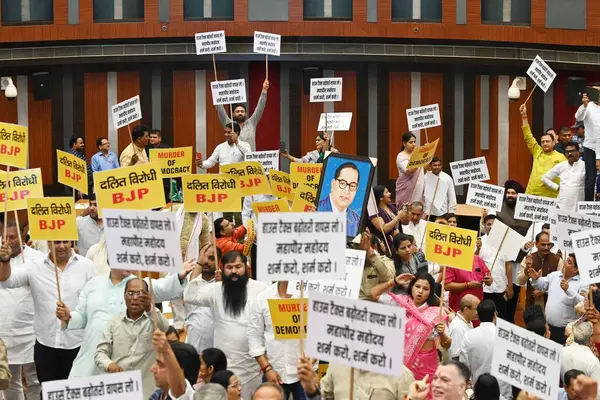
point(184, 109)
point(399, 101)
point(311, 112)
point(520, 160)
point(267, 136)
point(128, 86)
point(432, 88)
point(214, 130)
point(297, 27)
point(345, 142)
point(41, 152)
point(95, 98)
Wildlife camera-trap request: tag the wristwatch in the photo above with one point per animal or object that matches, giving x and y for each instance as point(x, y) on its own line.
point(316, 393)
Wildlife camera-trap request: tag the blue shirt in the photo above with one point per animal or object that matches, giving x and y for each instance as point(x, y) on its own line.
point(158, 394)
point(104, 163)
point(560, 307)
point(84, 158)
point(352, 218)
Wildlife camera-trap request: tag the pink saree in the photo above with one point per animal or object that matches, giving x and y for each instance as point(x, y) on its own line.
point(421, 322)
point(409, 188)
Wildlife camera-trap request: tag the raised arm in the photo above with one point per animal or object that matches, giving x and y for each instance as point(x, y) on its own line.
point(532, 144)
point(223, 117)
point(260, 107)
point(11, 279)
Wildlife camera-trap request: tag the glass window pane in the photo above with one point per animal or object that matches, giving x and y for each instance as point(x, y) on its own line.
point(133, 9)
point(39, 10)
point(193, 8)
point(341, 8)
point(491, 10)
point(313, 8)
point(402, 9)
point(521, 12)
point(104, 10)
point(431, 10)
point(221, 9)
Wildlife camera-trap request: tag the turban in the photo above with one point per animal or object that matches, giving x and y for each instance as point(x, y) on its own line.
point(516, 186)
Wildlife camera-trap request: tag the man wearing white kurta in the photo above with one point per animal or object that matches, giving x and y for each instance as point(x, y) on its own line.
point(16, 328)
point(461, 324)
point(439, 189)
point(572, 179)
point(229, 301)
point(416, 226)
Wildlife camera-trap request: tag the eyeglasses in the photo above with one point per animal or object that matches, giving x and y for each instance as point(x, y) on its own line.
point(344, 184)
point(132, 293)
point(236, 385)
point(571, 151)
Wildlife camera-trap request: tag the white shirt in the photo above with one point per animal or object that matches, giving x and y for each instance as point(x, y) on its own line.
point(476, 352)
point(572, 181)
point(417, 231)
point(248, 212)
point(576, 356)
point(487, 254)
point(457, 330)
point(449, 204)
point(283, 355)
point(16, 314)
point(590, 116)
point(199, 320)
point(231, 332)
point(39, 275)
point(90, 233)
point(227, 154)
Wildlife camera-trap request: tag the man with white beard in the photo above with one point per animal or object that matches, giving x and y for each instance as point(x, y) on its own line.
point(229, 301)
point(16, 328)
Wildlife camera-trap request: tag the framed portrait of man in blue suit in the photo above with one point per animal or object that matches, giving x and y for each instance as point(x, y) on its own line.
point(344, 187)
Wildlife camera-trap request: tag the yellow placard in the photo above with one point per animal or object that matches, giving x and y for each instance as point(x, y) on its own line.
point(279, 205)
point(14, 141)
point(138, 187)
point(308, 174)
point(211, 192)
point(285, 316)
point(253, 179)
point(72, 171)
point(305, 199)
point(174, 162)
point(422, 156)
point(20, 185)
point(322, 370)
point(449, 246)
point(281, 185)
point(52, 218)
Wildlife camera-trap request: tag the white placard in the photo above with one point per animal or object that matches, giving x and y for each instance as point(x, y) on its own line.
point(126, 112)
point(333, 122)
point(526, 360)
point(484, 195)
point(423, 117)
point(567, 223)
point(587, 250)
point(142, 240)
point(356, 333)
point(512, 242)
point(372, 207)
point(210, 42)
point(348, 287)
point(296, 245)
point(471, 170)
point(588, 207)
point(228, 92)
point(118, 386)
point(269, 159)
point(323, 90)
point(440, 194)
point(541, 73)
point(267, 43)
point(534, 208)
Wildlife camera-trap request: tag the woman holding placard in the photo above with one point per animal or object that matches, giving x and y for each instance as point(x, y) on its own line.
point(388, 219)
point(426, 323)
point(315, 156)
point(410, 183)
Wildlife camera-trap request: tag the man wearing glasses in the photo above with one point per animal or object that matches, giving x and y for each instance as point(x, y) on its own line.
point(343, 189)
point(572, 179)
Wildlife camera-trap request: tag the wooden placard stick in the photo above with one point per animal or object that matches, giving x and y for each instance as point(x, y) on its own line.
point(215, 67)
point(214, 242)
point(528, 97)
point(152, 304)
point(499, 248)
point(301, 320)
point(266, 67)
point(19, 234)
point(352, 383)
point(442, 292)
point(53, 253)
point(6, 203)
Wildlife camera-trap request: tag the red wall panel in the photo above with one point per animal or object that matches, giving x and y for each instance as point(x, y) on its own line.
point(267, 132)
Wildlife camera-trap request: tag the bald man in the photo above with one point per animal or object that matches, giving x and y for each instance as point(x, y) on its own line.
point(462, 323)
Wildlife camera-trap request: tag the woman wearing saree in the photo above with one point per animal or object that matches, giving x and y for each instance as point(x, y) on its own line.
point(387, 221)
point(410, 183)
point(424, 328)
point(315, 156)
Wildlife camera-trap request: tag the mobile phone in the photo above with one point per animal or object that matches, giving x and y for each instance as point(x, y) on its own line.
point(282, 147)
point(198, 156)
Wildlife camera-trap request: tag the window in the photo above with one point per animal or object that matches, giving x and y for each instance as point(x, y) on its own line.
point(515, 12)
point(328, 9)
point(27, 12)
point(214, 9)
point(423, 10)
point(118, 10)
